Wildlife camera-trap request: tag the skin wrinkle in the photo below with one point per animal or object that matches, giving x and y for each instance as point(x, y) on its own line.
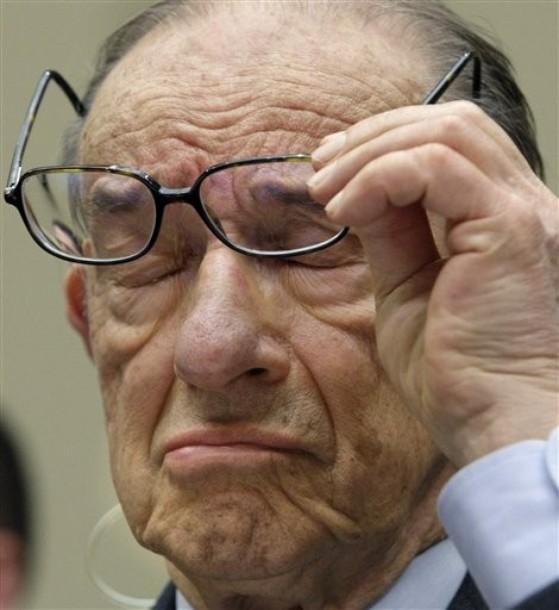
point(365, 342)
point(301, 120)
point(206, 120)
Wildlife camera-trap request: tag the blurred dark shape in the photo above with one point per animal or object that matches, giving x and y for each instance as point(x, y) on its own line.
point(15, 522)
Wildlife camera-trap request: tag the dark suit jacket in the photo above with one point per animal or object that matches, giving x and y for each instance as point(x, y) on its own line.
point(467, 598)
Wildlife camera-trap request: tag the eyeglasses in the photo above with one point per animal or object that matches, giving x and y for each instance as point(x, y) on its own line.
point(99, 215)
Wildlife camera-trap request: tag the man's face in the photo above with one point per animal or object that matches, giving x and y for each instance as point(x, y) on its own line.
point(252, 430)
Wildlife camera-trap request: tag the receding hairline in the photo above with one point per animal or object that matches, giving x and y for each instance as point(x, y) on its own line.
point(362, 20)
point(270, 42)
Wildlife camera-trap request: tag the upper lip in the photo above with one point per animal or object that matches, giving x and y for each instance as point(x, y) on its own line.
point(259, 438)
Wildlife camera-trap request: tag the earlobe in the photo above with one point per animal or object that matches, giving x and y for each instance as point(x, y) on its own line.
point(76, 305)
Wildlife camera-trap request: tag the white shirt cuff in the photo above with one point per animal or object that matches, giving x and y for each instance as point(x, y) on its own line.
point(502, 513)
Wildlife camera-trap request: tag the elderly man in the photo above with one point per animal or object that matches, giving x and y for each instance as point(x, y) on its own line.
point(285, 397)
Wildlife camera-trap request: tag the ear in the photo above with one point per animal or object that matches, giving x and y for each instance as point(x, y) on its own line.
point(76, 304)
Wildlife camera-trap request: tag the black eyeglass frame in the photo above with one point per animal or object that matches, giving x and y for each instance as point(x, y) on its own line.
point(162, 195)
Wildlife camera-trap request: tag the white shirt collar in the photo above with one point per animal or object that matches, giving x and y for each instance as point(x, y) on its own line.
point(420, 587)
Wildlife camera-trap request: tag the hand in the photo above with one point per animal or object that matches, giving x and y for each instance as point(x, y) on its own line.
point(468, 330)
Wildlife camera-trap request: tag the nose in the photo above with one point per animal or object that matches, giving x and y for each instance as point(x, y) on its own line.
point(230, 331)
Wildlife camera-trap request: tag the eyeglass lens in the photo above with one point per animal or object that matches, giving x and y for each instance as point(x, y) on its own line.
point(266, 207)
point(90, 214)
point(263, 207)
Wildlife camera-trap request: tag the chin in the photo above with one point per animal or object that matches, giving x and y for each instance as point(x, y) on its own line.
point(237, 536)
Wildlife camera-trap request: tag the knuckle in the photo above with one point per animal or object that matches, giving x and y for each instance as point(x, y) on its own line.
point(462, 123)
point(436, 154)
point(454, 125)
point(468, 111)
point(527, 228)
point(528, 221)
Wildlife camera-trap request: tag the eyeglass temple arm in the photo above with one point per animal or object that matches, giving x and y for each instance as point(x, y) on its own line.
point(436, 93)
point(15, 169)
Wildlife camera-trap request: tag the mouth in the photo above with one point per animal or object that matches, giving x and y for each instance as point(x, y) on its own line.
point(235, 449)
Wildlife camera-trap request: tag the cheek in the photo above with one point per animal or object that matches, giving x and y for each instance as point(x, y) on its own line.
point(135, 368)
point(383, 455)
point(135, 398)
point(130, 331)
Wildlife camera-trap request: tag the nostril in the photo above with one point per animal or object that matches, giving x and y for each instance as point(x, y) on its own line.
point(256, 372)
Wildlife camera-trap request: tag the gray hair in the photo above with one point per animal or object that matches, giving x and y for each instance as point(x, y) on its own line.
point(440, 34)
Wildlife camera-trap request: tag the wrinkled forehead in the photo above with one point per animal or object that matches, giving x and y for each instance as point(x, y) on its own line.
point(251, 81)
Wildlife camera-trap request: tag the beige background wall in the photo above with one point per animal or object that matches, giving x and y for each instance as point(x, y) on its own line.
point(47, 385)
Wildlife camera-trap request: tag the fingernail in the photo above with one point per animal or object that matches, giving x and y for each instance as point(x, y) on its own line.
point(320, 176)
point(330, 147)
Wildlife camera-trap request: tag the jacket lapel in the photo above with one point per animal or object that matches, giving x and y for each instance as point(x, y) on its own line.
point(468, 597)
point(167, 599)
